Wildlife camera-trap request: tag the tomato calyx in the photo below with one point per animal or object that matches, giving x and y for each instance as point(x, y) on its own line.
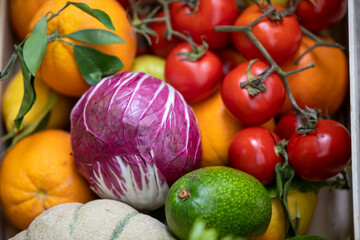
point(196, 53)
point(274, 15)
point(192, 4)
point(308, 119)
point(254, 85)
point(280, 149)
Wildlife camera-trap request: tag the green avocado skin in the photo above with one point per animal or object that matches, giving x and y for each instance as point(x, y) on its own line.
point(227, 199)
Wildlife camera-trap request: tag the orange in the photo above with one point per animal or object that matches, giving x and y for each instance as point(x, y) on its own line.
point(38, 173)
point(271, 124)
point(21, 13)
point(306, 202)
point(59, 69)
point(217, 128)
point(325, 86)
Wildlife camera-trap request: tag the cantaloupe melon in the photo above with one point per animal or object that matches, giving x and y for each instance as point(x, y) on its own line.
point(98, 219)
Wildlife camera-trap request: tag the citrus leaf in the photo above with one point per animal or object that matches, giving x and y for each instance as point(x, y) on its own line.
point(94, 64)
point(284, 177)
point(29, 90)
point(307, 186)
point(40, 122)
point(96, 13)
point(96, 36)
point(271, 188)
point(35, 46)
point(9, 67)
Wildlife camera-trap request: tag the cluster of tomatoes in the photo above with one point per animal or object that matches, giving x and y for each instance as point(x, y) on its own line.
point(251, 86)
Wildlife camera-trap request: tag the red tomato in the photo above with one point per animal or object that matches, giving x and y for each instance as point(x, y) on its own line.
point(160, 45)
point(195, 80)
point(142, 46)
point(252, 110)
point(200, 23)
point(287, 125)
point(124, 3)
point(230, 59)
point(320, 154)
point(325, 14)
point(281, 39)
point(252, 150)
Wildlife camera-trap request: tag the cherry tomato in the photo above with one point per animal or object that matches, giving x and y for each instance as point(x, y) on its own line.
point(230, 59)
point(142, 46)
point(281, 38)
point(287, 125)
point(252, 150)
point(321, 154)
point(195, 80)
point(321, 15)
point(160, 45)
point(124, 3)
point(252, 110)
point(200, 22)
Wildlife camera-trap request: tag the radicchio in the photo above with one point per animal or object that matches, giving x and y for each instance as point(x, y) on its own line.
point(134, 135)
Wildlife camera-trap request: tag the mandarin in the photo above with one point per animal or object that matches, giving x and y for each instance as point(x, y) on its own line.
point(303, 202)
point(325, 85)
point(21, 13)
point(217, 128)
point(38, 173)
point(59, 68)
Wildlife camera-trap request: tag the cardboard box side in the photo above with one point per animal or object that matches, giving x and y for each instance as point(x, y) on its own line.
point(6, 49)
point(354, 54)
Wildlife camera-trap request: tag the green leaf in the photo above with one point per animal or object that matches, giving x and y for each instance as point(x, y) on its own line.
point(35, 46)
point(43, 123)
point(284, 177)
point(96, 36)
point(96, 13)
point(9, 67)
point(94, 65)
point(307, 186)
point(29, 96)
point(39, 123)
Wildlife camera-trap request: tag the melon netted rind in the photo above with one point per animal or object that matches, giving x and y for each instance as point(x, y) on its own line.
point(97, 220)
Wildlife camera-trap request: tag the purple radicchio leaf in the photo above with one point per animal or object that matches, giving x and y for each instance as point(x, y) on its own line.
point(133, 136)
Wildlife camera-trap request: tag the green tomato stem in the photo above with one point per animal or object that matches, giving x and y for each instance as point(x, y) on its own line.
point(318, 42)
point(274, 66)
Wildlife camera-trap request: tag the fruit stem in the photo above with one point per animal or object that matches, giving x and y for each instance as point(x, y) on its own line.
point(141, 26)
point(318, 42)
point(247, 29)
point(184, 194)
point(170, 31)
